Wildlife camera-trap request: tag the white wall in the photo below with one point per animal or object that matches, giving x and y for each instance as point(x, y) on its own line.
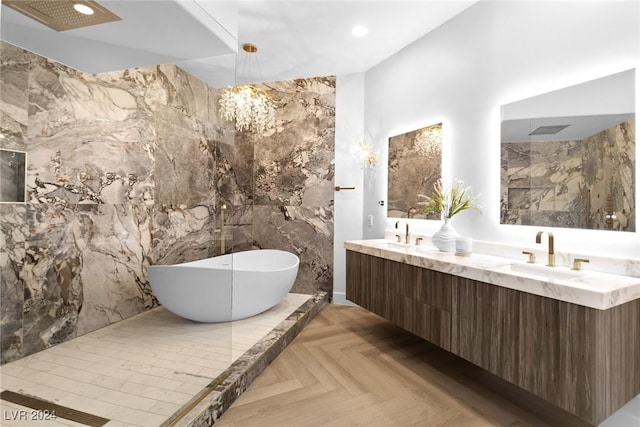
point(492, 54)
point(348, 173)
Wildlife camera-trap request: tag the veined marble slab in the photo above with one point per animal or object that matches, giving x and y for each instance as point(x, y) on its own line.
point(587, 288)
point(15, 64)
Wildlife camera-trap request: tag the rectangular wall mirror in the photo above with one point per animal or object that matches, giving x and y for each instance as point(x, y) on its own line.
point(415, 164)
point(12, 176)
point(568, 157)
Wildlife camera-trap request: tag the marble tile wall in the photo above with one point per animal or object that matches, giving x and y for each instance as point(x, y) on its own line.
point(134, 167)
point(567, 183)
point(15, 64)
point(185, 196)
point(293, 178)
point(13, 235)
point(73, 257)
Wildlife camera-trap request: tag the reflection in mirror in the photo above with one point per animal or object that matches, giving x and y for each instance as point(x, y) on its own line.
point(415, 164)
point(568, 157)
point(12, 176)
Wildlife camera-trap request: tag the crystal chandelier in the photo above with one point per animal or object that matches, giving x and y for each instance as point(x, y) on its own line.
point(429, 140)
point(248, 107)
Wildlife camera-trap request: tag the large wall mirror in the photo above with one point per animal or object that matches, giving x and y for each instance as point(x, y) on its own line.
point(12, 176)
point(568, 157)
point(415, 164)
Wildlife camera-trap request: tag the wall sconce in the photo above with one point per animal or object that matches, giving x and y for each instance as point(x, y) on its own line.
point(369, 154)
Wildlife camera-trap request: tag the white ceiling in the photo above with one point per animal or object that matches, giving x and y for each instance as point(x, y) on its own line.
point(295, 38)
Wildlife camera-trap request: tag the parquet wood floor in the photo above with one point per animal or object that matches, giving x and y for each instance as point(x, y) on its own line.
point(349, 367)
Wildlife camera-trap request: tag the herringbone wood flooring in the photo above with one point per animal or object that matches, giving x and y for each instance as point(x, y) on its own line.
point(349, 367)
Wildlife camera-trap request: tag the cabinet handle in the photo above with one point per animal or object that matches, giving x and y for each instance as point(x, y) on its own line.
point(338, 188)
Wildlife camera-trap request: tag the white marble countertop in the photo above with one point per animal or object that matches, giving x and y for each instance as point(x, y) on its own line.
point(587, 288)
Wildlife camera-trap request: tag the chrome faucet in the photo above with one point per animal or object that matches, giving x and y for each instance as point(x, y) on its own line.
point(552, 255)
point(406, 233)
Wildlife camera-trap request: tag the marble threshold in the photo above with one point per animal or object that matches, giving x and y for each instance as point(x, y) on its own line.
point(587, 288)
point(154, 368)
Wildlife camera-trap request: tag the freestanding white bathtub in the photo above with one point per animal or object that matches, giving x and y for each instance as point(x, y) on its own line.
point(227, 287)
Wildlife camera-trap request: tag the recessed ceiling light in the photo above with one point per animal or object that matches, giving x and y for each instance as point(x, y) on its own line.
point(360, 31)
point(83, 9)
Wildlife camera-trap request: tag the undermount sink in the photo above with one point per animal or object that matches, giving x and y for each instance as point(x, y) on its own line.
point(394, 245)
point(407, 246)
point(543, 271)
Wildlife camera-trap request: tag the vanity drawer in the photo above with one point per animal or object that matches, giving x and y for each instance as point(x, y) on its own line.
point(411, 297)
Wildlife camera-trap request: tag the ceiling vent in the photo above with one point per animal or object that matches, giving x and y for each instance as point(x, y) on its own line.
point(63, 15)
point(548, 130)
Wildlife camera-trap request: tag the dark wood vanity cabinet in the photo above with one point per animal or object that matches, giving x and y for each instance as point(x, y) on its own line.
point(413, 298)
point(583, 360)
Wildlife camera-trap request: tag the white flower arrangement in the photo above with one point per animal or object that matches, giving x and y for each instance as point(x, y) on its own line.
point(450, 201)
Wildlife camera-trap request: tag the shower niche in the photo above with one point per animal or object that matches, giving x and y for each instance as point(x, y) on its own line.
point(12, 176)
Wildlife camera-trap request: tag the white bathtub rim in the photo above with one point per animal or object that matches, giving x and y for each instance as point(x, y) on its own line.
point(192, 264)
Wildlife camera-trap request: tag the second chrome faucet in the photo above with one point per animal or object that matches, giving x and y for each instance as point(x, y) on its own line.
point(552, 255)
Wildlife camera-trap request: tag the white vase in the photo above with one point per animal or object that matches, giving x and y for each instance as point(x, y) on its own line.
point(445, 238)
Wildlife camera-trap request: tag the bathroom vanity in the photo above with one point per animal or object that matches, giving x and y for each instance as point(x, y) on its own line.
point(569, 337)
